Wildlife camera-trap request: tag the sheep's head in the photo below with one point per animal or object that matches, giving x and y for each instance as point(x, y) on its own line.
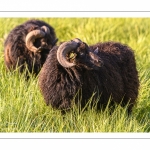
point(39, 39)
point(77, 53)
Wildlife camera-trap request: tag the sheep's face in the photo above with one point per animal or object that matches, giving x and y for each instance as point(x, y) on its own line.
point(40, 39)
point(42, 44)
point(77, 53)
point(86, 58)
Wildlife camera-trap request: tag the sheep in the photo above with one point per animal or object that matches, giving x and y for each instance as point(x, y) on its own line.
point(106, 69)
point(28, 44)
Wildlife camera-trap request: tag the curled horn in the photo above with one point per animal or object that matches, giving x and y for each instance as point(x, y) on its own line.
point(63, 50)
point(30, 38)
point(46, 29)
point(77, 40)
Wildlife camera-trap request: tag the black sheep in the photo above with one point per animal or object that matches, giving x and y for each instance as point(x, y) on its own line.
point(106, 69)
point(28, 45)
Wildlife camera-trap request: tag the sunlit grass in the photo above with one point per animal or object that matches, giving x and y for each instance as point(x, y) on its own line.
point(22, 107)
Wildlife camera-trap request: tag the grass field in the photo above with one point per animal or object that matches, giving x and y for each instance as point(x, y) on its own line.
point(22, 107)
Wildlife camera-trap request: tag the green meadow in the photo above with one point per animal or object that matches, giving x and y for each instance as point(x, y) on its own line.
point(22, 107)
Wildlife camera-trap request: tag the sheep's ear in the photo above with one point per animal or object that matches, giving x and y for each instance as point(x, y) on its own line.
point(96, 51)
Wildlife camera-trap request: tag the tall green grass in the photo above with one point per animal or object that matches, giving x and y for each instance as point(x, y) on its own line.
point(22, 107)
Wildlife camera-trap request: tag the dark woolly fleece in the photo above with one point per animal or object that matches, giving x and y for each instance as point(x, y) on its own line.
point(17, 52)
point(118, 78)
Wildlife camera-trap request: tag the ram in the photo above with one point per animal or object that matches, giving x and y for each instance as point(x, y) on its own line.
point(106, 69)
point(28, 45)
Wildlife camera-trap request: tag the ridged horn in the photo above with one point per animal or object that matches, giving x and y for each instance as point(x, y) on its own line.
point(77, 40)
point(62, 52)
point(46, 29)
point(30, 38)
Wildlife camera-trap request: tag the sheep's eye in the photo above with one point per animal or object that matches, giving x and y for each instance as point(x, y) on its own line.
point(81, 53)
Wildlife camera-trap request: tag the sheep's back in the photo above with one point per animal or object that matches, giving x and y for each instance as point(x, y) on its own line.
point(120, 63)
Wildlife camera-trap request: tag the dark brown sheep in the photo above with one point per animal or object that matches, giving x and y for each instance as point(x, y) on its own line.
point(28, 45)
point(106, 69)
